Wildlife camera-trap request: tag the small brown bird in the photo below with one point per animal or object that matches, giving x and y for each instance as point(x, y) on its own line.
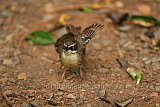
point(71, 46)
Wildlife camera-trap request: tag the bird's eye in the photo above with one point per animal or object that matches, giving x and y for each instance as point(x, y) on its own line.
point(72, 48)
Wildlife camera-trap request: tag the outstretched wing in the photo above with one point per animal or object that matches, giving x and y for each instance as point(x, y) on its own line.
point(89, 32)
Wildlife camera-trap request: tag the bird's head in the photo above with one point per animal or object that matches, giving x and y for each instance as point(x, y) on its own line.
point(70, 46)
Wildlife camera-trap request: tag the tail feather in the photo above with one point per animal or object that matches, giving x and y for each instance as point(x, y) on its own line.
point(76, 30)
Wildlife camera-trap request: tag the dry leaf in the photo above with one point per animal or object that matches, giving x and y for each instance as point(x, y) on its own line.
point(144, 9)
point(63, 18)
point(96, 6)
point(124, 103)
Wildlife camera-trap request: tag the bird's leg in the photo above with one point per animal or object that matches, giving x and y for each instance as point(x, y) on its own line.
point(81, 73)
point(63, 75)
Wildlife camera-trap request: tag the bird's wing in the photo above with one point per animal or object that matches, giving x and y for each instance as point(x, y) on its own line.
point(89, 32)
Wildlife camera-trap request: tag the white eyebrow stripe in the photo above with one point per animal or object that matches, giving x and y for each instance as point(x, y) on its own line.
point(65, 45)
point(72, 45)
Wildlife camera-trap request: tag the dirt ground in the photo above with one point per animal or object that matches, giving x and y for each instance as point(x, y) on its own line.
point(30, 74)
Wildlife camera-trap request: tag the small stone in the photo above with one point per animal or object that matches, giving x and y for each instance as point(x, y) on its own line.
point(48, 60)
point(14, 8)
point(51, 70)
point(49, 7)
point(9, 38)
point(154, 94)
point(7, 62)
point(125, 28)
point(25, 105)
point(2, 34)
point(3, 80)
point(71, 96)
point(59, 93)
point(74, 104)
point(157, 87)
point(82, 97)
point(53, 103)
point(128, 86)
point(151, 87)
point(6, 13)
point(131, 47)
point(123, 35)
point(122, 42)
point(17, 52)
point(119, 4)
point(2, 68)
point(103, 69)
point(22, 76)
point(157, 105)
point(102, 93)
point(47, 18)
point(156, 66)
point(35, 103)
point(7, 92)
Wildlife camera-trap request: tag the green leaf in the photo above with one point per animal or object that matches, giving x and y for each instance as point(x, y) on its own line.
point(41, 37)
point(146, 21)
point(135, 75)
point(158, 25)
point(86, 10)
point(144, 18)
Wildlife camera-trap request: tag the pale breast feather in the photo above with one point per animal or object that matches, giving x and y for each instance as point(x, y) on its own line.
point(72, 60)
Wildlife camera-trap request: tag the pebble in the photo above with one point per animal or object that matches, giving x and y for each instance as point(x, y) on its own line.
point(119, 4)
point(131, 47)
point(103, 70)
point(25, 105)
point(128, 86)
point(156, 66)
point(122, 42)
point(35, 103)
point(47, 18)
point(9, 38)
point(157, 87)
point(154, 94)
point(49, 7)
point(125, 28)
point(53, 103)
point(71, 96)
point(122, 35)
point(47, 60)
point(74, 104)
point(151, 87)
point(22, 76)
point(2, 34)
point(7, 92)
point(82, 97)
point(6, 13)
point(102, 93)
point(17, 52)
point(7, 62)
point(59, 93)
point(3, 80)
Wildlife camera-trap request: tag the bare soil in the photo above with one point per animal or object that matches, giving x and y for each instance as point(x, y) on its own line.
point(30, 74)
